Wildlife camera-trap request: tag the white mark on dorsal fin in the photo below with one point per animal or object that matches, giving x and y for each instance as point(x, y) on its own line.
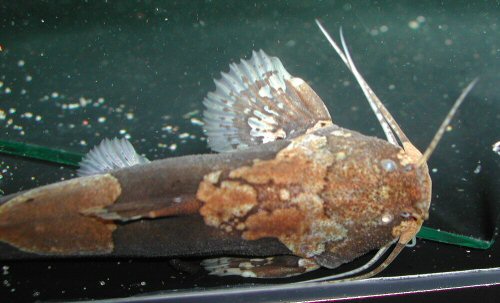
point(110, 155)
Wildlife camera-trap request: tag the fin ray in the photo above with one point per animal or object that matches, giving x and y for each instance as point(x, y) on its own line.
point(270, 267)
point(110, 155)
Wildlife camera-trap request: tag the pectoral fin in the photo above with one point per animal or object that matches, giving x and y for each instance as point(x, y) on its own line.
point(257, 102)
point(270, 267)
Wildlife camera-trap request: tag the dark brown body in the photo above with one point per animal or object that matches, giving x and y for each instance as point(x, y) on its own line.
point(352, 190)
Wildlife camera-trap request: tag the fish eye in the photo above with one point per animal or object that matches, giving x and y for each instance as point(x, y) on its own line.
point(388, 165)
point(405, 214)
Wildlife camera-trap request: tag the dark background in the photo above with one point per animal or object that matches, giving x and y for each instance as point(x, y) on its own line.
point(75, 72)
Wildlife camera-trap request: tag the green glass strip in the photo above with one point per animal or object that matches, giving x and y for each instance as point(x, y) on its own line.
point(450, 238)
point(40, 152)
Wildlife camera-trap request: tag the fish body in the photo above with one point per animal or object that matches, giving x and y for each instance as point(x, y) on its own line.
point(43, 227)
point(330, 195)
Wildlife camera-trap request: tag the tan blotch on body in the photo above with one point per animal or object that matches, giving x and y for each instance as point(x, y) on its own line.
point(276, 198)
point(50, 220)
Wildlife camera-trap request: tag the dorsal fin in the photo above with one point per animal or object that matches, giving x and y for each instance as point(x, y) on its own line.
point(257, 102)
point(109, 155)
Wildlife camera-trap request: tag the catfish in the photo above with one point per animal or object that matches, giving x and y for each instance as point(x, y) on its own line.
point(287, 192)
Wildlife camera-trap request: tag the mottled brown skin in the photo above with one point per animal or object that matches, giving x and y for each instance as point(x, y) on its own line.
point(369, 200)
point(45, 221)
point(327, 196)
point(322, 196)
point(155, 213)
